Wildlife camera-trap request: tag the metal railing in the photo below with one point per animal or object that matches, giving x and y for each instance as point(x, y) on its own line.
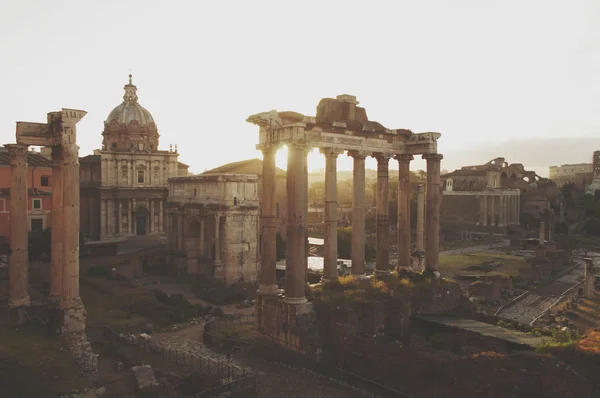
point(220, 378)
point(291, 359)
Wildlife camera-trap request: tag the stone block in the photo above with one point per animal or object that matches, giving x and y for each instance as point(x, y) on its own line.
point(145, 379)
point(484, 290)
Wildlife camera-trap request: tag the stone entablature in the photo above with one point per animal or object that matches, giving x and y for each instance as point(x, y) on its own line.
point(220, 189)
point(213, 225)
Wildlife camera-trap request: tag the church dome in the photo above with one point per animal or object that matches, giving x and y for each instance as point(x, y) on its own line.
point(130, 109)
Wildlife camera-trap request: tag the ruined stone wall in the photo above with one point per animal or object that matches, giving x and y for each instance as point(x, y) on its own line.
point(241, 248)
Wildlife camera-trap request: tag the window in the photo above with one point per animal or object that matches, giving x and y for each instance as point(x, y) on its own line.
point(45, 181)
point(140, 176)
point(37, 224)
point(37, 204)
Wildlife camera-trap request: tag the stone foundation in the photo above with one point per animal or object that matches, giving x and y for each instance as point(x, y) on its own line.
point(293, 326)
point(81, 349)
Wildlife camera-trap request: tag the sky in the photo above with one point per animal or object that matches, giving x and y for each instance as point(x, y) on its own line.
point(518, 79)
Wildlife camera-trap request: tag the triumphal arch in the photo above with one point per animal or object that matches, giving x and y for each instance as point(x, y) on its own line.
point(339, 126)
point(59, 133)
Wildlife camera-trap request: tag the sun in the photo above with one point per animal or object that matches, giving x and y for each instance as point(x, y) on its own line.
point(316, 160)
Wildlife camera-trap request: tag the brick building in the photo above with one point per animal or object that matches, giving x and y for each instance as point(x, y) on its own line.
point(39, 198)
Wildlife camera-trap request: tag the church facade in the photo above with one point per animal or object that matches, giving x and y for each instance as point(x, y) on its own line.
point(123, 186)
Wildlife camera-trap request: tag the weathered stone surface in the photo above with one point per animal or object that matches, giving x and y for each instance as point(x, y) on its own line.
point(81, 349)
point(145, 378)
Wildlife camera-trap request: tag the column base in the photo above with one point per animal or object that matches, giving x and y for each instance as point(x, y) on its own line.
point(73, 316)
point(380, 272)
point(268, 290)
point(22, 302)
point(295, 300)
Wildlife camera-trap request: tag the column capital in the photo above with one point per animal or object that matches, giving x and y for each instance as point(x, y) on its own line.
point(18, 154)
point(432, 156)
point(403, 157)
point(300, 145)
point(359, 154)
point(331, 152)
point(381, 157)
point(269, 147)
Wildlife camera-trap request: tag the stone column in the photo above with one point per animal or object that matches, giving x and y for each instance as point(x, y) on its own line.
point(268, 276)
point(330, 271)
point(296, 225)
point(484, 211)
point(404, 210)
point(432, 244)
point(358, 214)
point(102, 216)
point(382, 264)
point(519, 209)
point(151, 226)
point(56, 228)
point(217, 240)
point(18, 261)
point(70, 225)
point(130, 216)
point(420, 218)
point(120, 217)
point(501, 208)
point(589, 279)
point(161, 227)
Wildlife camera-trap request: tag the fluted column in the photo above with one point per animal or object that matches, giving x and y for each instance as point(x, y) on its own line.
point(18, 261)
point(330, 271)
point(501, 207)
point(358, 214)
point(432, 244)
point(268, 277)
point(296, 185)
point(420, 235)
point(404, 210)
point(70, 225)
point(56, 228)
point(382, 217)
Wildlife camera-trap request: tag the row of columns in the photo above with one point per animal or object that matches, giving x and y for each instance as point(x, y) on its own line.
point(110, 225)
point(499, 210)
point(64, 272)
point(297, 195)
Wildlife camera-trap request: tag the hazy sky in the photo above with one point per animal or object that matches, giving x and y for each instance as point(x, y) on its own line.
point(483, 73)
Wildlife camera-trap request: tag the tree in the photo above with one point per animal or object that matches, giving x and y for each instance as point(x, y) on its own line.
point(344, 236)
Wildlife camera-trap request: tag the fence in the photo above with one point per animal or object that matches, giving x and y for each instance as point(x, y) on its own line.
point(294, 360)
point(220, 378)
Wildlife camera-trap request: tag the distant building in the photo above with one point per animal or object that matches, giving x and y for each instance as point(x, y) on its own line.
point(568, 173)
point(124, 185)
point(595, 182)
point(494, 194)
point(213, 226)
point(39, 196)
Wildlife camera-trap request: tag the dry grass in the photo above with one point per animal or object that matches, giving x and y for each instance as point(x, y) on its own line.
point(33, 365)
point(455, 264)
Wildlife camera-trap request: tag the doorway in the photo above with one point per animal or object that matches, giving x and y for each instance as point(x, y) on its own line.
point(141, 221)
point(140, 225)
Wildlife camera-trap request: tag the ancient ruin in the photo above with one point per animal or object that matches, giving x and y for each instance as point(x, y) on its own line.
point(212, 226)
point(59, 133)
point(340, 125)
